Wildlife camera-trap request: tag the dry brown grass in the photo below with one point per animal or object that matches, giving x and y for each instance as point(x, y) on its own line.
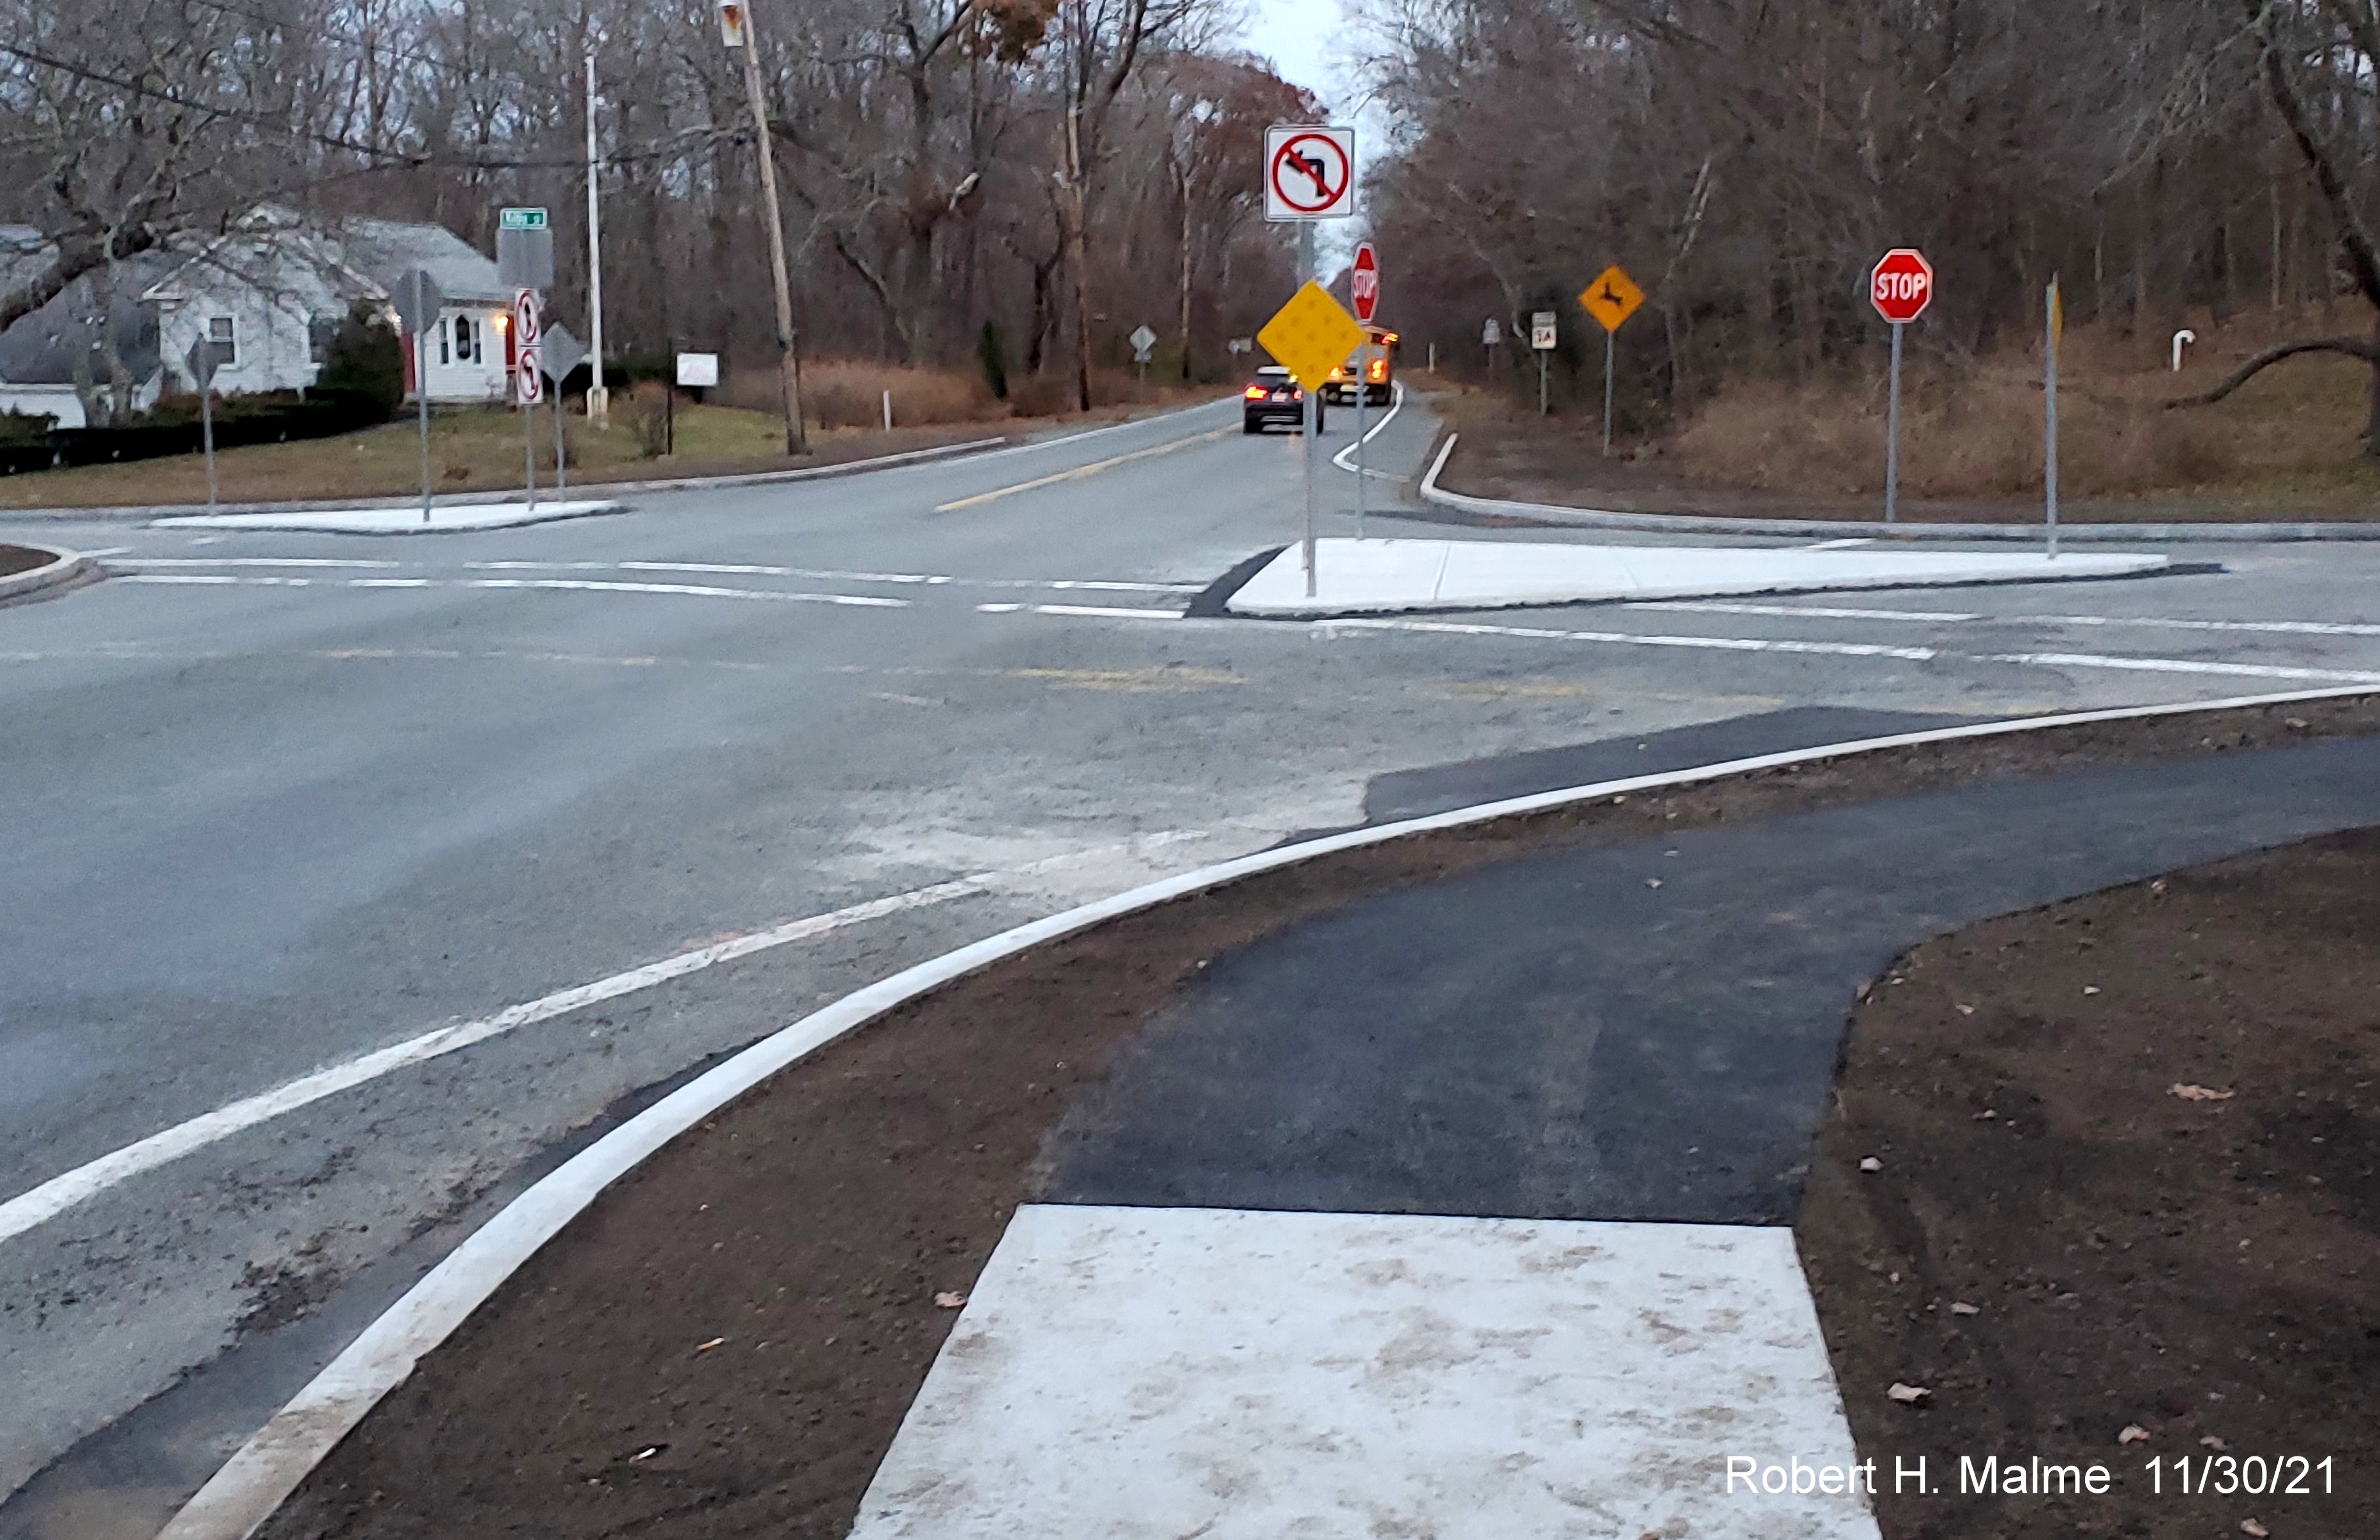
point(844, 394)
point(1974, 429)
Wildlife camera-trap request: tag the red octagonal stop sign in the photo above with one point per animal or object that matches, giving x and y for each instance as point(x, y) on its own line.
point(1902, 285)
point(1364, 282)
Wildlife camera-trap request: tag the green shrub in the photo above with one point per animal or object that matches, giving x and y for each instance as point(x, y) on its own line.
point(366, 362)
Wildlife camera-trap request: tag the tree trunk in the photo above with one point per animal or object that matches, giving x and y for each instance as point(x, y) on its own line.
point(1078, 258)
point(1185, 279)
point(2372, 423)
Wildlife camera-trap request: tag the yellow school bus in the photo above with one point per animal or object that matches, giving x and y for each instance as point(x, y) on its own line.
point(1339, 389)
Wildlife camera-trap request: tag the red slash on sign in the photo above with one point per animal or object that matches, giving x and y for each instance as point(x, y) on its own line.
point(1310, 171)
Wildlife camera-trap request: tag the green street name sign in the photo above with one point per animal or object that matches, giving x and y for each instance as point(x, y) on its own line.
point(523, 219)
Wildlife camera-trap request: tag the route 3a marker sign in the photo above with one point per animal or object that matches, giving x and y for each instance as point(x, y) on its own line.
point(1902, 285)
point(1363, 283)
point(1310, 171)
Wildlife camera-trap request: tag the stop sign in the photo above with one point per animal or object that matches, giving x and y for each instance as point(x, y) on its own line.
point(1363, 283)
point(1902, 285)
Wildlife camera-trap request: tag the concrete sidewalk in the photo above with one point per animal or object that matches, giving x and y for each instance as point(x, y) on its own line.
point(1462, 1211)
point(1384, 576)
point(399, 518)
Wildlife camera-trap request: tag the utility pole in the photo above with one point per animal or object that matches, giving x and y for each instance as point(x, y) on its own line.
point(735, 30)
point(599, 400)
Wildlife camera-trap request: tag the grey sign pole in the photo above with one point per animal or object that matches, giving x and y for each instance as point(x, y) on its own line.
point(1892, 434)
point(1610, 348)
point(202, 361)
point(418, 304)
point(1313, 407)
point(2050, 389)
point(1362, 391)
point(559, 354)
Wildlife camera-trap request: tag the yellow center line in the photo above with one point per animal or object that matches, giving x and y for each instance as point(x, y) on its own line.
point(1092, 469)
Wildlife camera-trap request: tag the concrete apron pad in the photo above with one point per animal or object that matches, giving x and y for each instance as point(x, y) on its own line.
point(1384, 576)
point(398, 519)
point(1164, 1372)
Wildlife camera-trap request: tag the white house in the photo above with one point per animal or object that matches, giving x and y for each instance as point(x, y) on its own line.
point(270, 294)
point(93, 341)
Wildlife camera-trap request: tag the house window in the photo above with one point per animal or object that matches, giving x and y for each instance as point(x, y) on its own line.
point(467, 341)
point(224, 340)
point(441, 344)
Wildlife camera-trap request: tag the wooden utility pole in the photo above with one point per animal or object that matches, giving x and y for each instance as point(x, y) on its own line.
point(735, 26)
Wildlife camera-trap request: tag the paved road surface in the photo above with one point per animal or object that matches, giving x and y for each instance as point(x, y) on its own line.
point(278, 802)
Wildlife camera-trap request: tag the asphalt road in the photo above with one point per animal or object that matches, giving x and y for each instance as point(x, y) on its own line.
point(275, 802)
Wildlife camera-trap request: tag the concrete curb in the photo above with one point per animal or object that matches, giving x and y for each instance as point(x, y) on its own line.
point(270, 1466)
point(550, 511)
point(1796, 528)
point(64, 568)
point(473, 500)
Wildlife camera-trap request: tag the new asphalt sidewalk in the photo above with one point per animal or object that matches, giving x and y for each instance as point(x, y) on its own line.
point(1453, 1206)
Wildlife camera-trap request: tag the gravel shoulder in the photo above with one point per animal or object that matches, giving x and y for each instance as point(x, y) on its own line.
point(2128, 1205)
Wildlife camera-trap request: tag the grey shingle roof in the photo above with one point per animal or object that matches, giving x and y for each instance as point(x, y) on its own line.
point(385, 251)
point(44, 348)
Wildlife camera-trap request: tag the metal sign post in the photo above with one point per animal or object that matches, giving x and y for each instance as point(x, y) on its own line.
point(1313, 409)
point(202, 359)
point(1364, 288)
point(419, 305)
point(558, 354)
point(1542, 340)
point(2049, 379)
point(1892, 433)
point(1309, 174)
point(1900, 287)
point(1611, 299)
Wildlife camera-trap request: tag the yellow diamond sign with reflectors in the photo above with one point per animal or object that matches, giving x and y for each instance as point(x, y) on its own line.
point(1612, 298)
point(1311, 335)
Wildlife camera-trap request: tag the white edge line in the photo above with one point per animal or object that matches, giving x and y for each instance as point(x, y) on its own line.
point(266, 1469)
point(1396, 404)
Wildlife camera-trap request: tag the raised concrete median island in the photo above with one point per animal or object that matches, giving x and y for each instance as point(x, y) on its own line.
point(26, 570)
point(1388, 577)
point(1434, 1178)
point(399, 518)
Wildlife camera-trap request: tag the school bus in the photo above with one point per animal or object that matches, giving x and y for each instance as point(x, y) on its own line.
point(1339, 389)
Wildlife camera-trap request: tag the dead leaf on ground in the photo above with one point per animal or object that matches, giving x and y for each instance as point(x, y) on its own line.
point(951, 1300)
point(2251, 1527)
point(1966, 1010)
point(706, 1346)
point(2200, 1093)
point(2211, 1442)
point(2134, 1433)
point(1870, 1163)
point(1907, 1395)
point(1961, 1307)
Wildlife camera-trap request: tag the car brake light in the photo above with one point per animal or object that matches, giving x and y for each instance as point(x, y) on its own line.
point(1379, 368)
point(1257, 392)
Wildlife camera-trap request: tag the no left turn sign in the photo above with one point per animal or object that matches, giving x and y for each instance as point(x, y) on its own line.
point(1310, 171)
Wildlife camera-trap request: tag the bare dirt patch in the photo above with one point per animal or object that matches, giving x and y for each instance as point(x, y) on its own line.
point(2129, 1180)
point(15, 559)
point(726, 1341)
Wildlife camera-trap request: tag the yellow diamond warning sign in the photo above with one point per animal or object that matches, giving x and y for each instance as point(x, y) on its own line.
point(1612, 298)
point(1310, 336)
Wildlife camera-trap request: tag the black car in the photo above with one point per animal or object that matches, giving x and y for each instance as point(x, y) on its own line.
point(1273, 396)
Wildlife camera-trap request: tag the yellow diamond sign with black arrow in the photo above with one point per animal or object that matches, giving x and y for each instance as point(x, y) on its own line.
point(1612, 298)
point(1311, 335)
